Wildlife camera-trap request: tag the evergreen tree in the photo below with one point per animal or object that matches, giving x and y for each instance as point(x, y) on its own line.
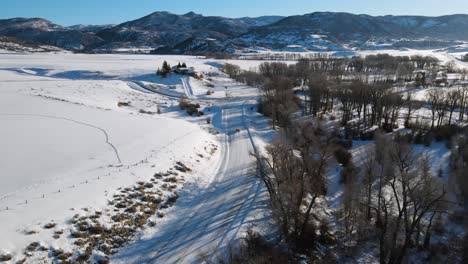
point(166, 69)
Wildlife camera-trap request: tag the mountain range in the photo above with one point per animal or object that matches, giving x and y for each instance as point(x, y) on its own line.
point(164, 32)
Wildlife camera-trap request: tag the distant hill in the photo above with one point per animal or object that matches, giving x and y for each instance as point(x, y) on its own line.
point(89, 28)
point(326, 30)
point(11, 44)
point(165, 32)
point(45, 32)
point(260, 21)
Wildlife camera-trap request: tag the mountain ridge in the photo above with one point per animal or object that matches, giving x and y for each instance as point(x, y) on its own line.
point(191, 32)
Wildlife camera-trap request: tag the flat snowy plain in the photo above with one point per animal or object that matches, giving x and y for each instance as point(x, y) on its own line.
point(67, 147)
point(58, 157)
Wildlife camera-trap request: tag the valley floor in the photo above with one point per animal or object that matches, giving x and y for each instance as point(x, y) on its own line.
point(70, 147)
point(82, 147)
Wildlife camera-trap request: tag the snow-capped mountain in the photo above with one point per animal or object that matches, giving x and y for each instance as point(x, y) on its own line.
point(45, 32)
point(332, 31)
point(165, 32)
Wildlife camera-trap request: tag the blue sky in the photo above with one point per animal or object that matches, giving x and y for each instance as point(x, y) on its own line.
point(70, 12)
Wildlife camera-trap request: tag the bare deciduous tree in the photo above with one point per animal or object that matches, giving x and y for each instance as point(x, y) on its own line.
point(294, 175)
point(407, 195)
point(437, 101)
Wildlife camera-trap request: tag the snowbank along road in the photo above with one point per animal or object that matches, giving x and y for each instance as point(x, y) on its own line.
point(210, 218)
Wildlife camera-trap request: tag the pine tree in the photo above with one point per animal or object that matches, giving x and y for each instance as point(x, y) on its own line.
point(184, 65)
point(166, 69)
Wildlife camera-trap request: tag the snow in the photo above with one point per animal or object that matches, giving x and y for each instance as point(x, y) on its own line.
point(70, 165)
point(211, 213)
point(193, 226)
point(61, 155)
point(422, 94)
point(76, 128)
point(68, 146)
point(294, 41)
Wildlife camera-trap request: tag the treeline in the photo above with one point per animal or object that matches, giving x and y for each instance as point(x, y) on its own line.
point(391, 199)
point(282, 56)
point(396, 67)
point(394, 199)
point(369, 63)
point(294, 173)
point(363, 95)
point(378, 61)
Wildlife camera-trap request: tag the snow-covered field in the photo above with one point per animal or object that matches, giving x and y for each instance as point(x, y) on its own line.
point(60, 156)
point(67, 147)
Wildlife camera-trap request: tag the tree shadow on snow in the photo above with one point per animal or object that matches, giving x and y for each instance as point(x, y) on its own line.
point(70, 75)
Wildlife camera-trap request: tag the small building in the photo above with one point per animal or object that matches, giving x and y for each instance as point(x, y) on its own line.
point(183, 70)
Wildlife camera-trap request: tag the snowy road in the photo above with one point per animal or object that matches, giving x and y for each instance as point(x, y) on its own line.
point(187, 87)
point(207, 219)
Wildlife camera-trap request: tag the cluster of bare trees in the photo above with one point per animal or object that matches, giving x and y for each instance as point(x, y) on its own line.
point(286, 56)
point(355, 89)
point(294, 173)
point(391, 197)
point(400, 198)
point(392, 64)
point(394, 68)
point(278, 101)
point(442, 102)
point(391, 67)
point(375, 104)
point(370, 63)
point(323, 83)
point(323, 86)
point(232, 70)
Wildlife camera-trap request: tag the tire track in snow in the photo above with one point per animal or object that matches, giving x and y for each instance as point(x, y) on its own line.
point(116, 152)
point(199, 207)
point(138, 86)
point(233, 209)
point(187, 87)
point(256, 186)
